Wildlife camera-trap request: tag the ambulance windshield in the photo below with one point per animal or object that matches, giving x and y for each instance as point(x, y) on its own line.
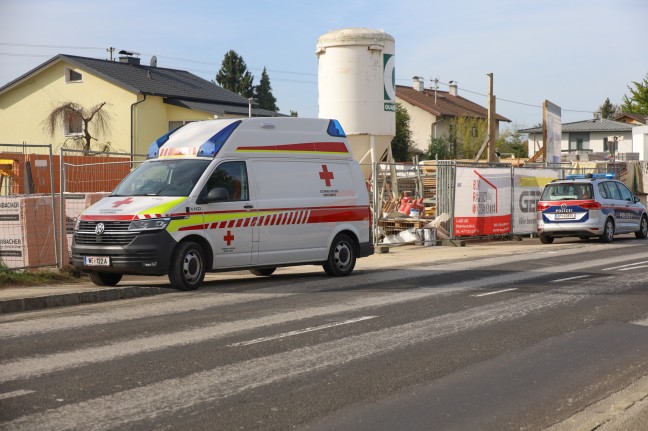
point(168, 177)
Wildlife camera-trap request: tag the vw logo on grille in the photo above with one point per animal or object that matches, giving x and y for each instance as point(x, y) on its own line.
point(99, 229)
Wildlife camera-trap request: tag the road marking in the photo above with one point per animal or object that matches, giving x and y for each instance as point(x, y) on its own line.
point(15, 394)
point(624, 266)
point(300, 331)
point(641, 322)
point(634, 267)
point(496, 292)
point(167, 398)
point(569, 278)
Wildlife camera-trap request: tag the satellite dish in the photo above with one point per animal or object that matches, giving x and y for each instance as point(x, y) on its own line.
point(153, 61)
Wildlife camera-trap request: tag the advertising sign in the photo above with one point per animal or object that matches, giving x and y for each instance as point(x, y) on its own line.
point(527, 188)
point(552, 131)
point(389, 81)
point(482, 201)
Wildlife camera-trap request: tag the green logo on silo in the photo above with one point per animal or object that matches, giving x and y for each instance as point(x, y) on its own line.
point(389, 78)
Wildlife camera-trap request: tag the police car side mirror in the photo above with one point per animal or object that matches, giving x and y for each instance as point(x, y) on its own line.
point(217, 194)
point(636, 200)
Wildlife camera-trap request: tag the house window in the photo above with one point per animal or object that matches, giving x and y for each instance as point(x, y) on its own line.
point(578, 141)
point(73, 76)
point(606, 147)
point(175, 124)
point(73, 126)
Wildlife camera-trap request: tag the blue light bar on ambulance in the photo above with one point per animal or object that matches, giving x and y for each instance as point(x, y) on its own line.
point(211, 147)
point(154, 148)
point(335, 129)
point(608, 175)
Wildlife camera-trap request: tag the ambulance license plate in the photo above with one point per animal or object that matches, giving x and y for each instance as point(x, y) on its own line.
point(96, 260)
point(565, 216)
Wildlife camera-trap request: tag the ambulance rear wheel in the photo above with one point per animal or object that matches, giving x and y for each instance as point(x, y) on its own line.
point(342, 257)
point(546, 239)
point(263, 272)
point(105, 278)
point(187, 270)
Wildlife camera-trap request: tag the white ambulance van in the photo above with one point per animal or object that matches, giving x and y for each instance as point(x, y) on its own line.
point(231, 194)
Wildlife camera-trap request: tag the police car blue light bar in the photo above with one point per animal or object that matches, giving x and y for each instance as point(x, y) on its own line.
point(608, 175)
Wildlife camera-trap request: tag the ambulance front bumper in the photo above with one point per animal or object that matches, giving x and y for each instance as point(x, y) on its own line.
point(147, 254)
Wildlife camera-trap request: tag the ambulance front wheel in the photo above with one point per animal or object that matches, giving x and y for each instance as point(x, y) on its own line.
point(105, 278)
point(187, 270)
point(342, 256)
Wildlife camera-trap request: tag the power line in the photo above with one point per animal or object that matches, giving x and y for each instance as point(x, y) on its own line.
point(211, 63)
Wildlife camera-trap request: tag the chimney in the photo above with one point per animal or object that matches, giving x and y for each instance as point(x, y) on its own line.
point(127, 57)
point(453, 88)
point(418, 83)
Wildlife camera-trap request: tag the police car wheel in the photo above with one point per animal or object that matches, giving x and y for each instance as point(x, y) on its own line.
point(105, 278)
point(546, 239)
point(608, 231)
point(187, 270)
point(642, 233)
point(342, 257)
point(263, 272)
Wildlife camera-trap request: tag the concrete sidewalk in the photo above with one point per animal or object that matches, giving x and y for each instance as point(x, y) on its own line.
point(27, 298)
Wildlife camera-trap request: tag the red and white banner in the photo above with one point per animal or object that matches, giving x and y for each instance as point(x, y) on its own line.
point(482, 201)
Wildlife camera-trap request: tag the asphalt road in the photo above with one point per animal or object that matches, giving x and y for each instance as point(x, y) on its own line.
point(525, 340)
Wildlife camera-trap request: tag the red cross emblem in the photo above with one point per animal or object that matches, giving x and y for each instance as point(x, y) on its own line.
point(229, 237)
point(124, 202)
point(326, 175)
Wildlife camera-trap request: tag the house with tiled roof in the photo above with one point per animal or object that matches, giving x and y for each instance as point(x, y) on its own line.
point(583, 138)
point(634, 119)
point(432, 111)
point(143, 101)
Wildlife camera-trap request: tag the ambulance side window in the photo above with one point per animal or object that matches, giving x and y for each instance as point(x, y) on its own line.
point(232, 176)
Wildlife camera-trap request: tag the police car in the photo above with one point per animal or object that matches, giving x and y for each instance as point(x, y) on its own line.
point(591, 205)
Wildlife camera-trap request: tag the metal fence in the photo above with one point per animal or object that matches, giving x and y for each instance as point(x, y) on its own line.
point(443, 192)
point(85, 178)
point(28, 204)
point(38, 209)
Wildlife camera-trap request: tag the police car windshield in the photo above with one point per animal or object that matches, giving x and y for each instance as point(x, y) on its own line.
point(566, 191)
point(163, 178)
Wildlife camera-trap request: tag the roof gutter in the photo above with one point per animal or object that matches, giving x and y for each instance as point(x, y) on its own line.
point(132, 129)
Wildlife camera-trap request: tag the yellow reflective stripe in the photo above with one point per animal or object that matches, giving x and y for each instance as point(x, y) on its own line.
point(175, 225)
point(163, 208)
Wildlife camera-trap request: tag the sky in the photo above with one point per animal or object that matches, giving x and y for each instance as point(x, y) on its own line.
point(574, 53)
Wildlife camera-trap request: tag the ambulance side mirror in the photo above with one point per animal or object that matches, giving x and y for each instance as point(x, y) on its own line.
point(217, 194)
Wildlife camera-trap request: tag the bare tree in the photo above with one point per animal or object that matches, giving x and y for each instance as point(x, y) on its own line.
point(70, 113)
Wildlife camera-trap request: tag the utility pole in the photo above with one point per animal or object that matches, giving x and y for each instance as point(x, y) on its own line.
point(111, 50)
point(492, 133)
point(491, 121)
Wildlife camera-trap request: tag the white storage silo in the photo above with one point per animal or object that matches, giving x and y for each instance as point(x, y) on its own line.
point(356, 85)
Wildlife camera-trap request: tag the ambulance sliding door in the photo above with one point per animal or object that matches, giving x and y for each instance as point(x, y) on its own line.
point(298, 201)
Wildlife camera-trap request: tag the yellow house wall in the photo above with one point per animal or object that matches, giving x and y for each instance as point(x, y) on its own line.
point(23, 109)
point(152, 119)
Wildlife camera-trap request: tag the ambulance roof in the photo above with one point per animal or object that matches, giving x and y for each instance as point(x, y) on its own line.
point(267, 137)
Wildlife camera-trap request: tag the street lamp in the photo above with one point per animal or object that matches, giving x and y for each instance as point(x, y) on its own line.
point(250, 101)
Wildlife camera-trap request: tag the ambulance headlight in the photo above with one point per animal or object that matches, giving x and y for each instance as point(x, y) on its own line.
point(149, 224)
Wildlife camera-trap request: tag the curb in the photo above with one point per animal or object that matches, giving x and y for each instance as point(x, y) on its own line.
point(75, 298)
